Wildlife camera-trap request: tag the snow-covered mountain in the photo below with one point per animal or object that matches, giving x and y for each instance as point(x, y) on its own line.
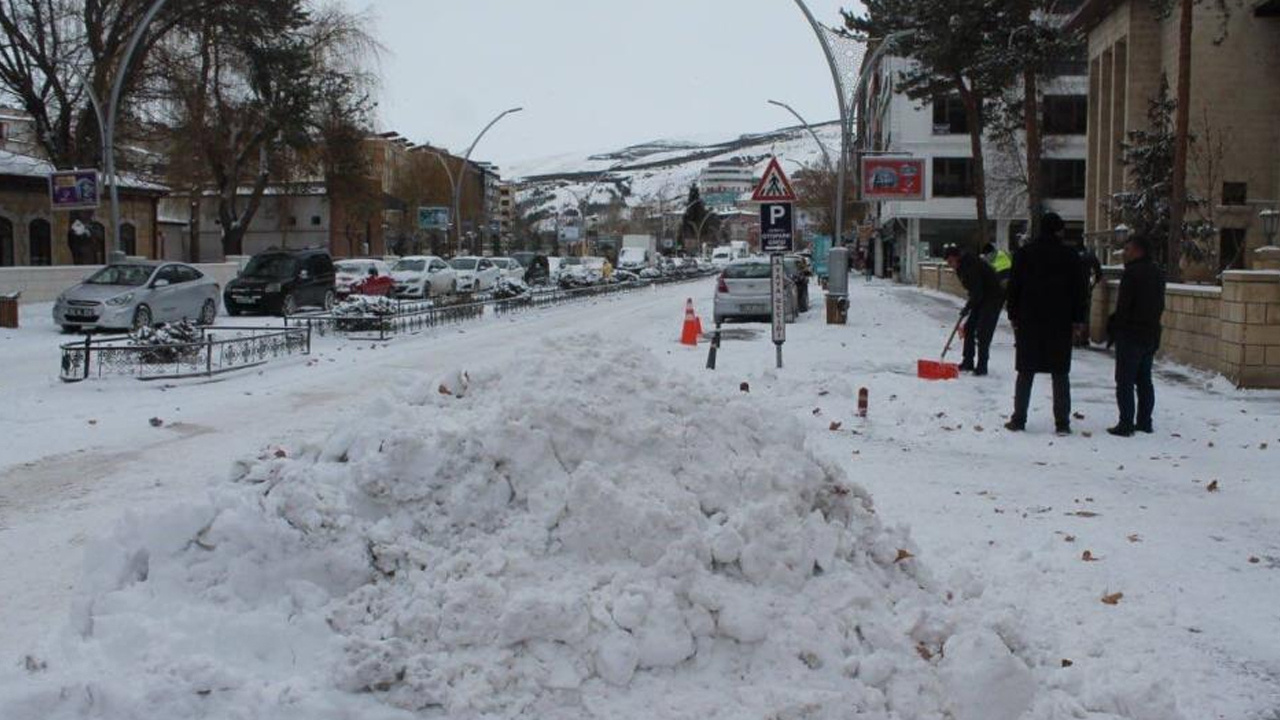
point(660, 169)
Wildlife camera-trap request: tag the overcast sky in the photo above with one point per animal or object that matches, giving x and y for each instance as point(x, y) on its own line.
point(596, 75)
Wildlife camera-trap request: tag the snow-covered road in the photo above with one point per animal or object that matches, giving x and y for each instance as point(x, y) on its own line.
point(1008, 517)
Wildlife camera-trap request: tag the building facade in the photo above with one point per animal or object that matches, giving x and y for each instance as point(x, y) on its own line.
point(1234, 168)
point(723, 183)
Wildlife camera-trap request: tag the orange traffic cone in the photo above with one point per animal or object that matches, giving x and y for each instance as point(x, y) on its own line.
point(689, 334)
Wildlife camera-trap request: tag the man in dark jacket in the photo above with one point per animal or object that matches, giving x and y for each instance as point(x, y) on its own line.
point(982, 312)
point(1135, 330)
point(1046, 304)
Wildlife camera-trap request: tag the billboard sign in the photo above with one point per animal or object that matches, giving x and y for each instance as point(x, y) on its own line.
point(74, 190)
point(892, 179)
point(433, 218)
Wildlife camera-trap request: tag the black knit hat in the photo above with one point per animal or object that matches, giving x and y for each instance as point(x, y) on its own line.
point(1052, 224)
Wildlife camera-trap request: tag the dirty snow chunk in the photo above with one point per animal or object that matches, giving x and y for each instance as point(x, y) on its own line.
point(534, 543)
point(984, 681)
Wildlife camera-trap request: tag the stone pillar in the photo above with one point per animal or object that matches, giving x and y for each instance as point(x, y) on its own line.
point(1251, 327)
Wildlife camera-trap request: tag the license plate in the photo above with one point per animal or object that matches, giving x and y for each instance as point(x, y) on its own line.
point(80, 312)
point(755, 308)
point(248, 299)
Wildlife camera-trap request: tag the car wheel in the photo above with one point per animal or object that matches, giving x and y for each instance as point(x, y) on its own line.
point(289, 306)
point(328, 300)
point(141, 317)
point(208, 312)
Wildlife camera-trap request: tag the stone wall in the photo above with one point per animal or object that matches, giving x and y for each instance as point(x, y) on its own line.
point(43, 284)
point(1233, 329)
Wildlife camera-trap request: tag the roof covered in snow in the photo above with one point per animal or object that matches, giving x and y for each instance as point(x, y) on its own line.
point(27, 166)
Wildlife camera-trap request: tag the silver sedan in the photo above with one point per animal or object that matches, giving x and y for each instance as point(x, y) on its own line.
point(131, 295)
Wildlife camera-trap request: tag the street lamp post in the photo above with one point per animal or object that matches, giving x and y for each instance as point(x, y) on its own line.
point(1270, 225)
point(462, 174)
point(113, 110)
point(826, 156)
point(842, 103)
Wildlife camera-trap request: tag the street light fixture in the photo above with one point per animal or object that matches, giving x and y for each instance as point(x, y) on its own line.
point(462, 174)
point(1270, 225)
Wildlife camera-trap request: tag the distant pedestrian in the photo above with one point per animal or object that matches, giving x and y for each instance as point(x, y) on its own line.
point(1046, 305)
point(1135, 330)
point(982, 311)
point(1090, 276)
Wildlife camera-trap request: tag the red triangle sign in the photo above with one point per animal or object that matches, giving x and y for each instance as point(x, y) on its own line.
point(774, 186)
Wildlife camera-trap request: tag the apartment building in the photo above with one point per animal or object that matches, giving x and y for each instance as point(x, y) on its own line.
point(937, 133)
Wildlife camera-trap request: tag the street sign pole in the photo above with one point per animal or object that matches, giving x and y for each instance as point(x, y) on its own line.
point(777, 237)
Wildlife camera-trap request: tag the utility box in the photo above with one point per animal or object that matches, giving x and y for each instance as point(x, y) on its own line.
point(838, 272)
point(9, 310)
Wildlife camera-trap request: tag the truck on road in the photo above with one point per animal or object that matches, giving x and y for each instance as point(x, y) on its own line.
point(638, 252)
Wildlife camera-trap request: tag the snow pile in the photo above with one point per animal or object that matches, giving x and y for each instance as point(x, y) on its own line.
point(603, 542)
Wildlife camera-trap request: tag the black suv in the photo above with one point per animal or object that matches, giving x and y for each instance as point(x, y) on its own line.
point(281, 281)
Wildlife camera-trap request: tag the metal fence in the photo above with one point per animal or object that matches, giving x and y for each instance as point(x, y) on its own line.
point(219, 350)
point(414, 317)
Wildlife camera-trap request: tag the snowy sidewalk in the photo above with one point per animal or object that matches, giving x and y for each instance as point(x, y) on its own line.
point(1198, 563)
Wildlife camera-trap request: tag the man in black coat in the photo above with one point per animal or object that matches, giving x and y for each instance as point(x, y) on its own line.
point(982, 312)
point(1046, 304)
point(1135, 330)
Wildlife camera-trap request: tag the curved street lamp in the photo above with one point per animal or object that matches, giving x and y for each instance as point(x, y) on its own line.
point(462, 174)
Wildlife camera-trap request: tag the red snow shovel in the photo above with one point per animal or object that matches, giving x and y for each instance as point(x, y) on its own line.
point(939, 369)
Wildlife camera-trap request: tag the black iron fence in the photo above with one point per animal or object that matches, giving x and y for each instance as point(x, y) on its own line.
point(219, 350)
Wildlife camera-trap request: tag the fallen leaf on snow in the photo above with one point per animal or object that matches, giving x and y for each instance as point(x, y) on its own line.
point(836, 426)
point(1070, 538)
point(1088, 556)
point(1135, 538)
point(444, 390)
point(1086, 433)
point(1067, 663)
point(817, 411)
point(1254, 559)
point(156, 422)
point(280, 453)
point(1213, 486)
point(978, 428)
point(1084, 513)
point(925, 652)
point(745, 387)
point(1078, 416)
point(903, 555)
point(1112, 599)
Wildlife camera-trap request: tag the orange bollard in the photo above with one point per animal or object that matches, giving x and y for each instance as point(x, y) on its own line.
point(689, 333)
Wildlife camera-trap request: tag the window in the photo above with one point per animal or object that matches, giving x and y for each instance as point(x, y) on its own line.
point(39, 243)
point(129, 239)
point(168, 273)
point(1066, 114)
point(949, 117)
point(1063, 179)
point(953, 177)
point(1235, 193)
point(7, 258)
point(186, 273)
point(315, 220)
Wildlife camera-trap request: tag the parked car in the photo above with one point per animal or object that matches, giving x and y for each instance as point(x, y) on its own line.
point(743, 292)
point(138, 294)
point(355, 271)
point(475, 274)
point(423, 276)
point(281, 282)
point(509, 268)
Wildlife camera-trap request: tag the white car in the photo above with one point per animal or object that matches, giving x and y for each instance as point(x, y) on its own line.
point(475, 274)
point(423, 276)
point(353, 271)
point(509, 268)
point(137, 294)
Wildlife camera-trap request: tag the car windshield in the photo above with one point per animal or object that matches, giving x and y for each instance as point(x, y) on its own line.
point(130, 275)
point(747, 271)
point(410, 266)
point(464, 264)
point(351, 268)
point(271, 266)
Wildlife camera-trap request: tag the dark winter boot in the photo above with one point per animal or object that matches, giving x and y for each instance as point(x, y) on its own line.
point(1121, 430)
point(1015, 426)
point(1063, 429)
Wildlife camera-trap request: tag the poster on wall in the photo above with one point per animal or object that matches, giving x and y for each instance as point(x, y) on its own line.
point(433, 218)
point(74, 190)
point(892, 179)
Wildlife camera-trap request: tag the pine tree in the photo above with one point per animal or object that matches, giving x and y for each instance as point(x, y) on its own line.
point(1148, 156)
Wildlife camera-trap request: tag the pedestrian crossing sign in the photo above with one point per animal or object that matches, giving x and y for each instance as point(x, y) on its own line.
point(774, 186)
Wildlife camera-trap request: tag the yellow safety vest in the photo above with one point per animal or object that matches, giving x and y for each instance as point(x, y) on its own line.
point(1003, 262)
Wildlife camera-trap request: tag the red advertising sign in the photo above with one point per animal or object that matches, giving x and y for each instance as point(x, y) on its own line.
point(892, 179)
